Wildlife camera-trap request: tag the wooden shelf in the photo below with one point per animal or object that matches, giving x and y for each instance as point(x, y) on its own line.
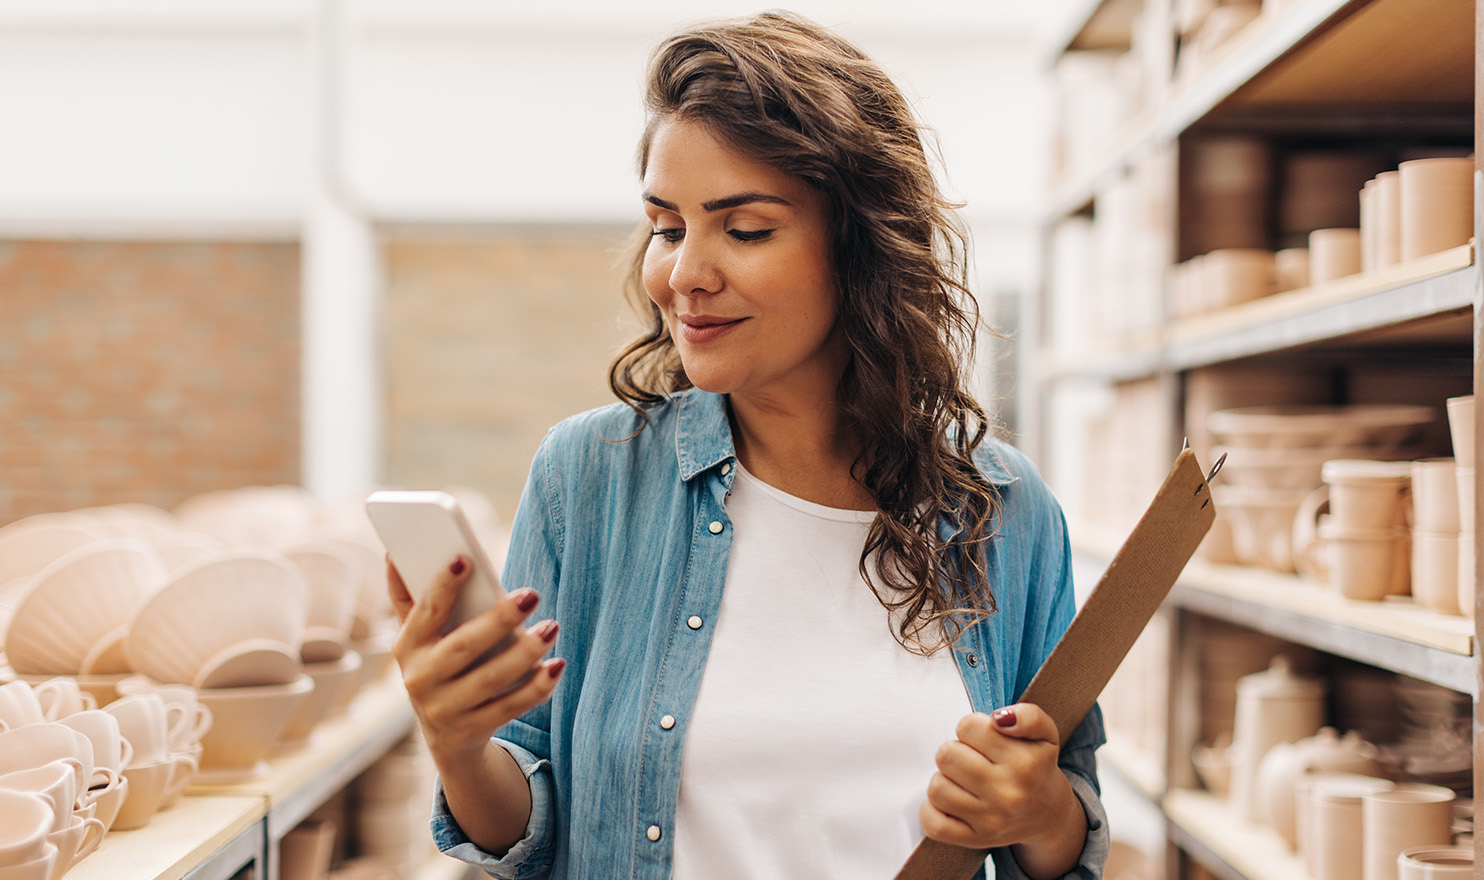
point(179, 841)
point(1430, 298)
point(1095, 24)
point(1208, 829)
point(1363, 58)
point(1437, 286)
point(1395, 634)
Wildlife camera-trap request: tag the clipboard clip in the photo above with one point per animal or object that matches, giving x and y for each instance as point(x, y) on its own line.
point(1215, 468)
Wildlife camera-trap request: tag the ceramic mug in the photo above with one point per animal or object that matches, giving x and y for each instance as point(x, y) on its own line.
point(1333, 253)
point(25, 820)
point(22, 748)
point(61, 696)
point(1436, 863)
point(55, 781)
point(110, 748)
point(145, 722)
point(1437, 205)
point(40, 867)
point(1435, 495)
point(19, 705)
point(1400, 819)
point(77, 841)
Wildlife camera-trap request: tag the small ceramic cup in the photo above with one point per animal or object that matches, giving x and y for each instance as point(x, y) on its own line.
point(1333, 253)
point(1461, 428)
point(25, 820)
point(144, 721)
point(22, 748)
point(78, 840)
point(40, 867)
point(19, 705)
point(1435, 571)
point(61, 696)
point(111, 749)
point(1437, 205)
point(1436, 863)
point(1386, 209)
point(1408, 816)
point(1292, 267)
point(55, 781)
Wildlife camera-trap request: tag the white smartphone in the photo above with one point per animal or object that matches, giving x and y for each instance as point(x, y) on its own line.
point(423, 531)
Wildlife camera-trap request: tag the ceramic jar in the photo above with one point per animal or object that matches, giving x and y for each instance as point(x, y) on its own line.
point(1402, 818)
point(1285, 763)
point(1273, 706)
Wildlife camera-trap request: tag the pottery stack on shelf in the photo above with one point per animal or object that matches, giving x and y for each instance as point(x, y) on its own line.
point(231, 628)
point(1275, 455)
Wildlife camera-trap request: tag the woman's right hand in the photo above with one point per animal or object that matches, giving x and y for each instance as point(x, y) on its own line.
point(452, 694)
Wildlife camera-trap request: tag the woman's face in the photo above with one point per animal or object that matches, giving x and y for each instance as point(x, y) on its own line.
point(739, 266)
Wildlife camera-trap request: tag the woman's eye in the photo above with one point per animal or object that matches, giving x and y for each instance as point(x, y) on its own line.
point(750, 234)
point(672, 235)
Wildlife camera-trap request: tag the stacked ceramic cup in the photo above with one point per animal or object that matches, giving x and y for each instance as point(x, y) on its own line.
point(230, 627)
point(165, 727)
point(70, 767)
point(1365, 535)
point(1435, 534)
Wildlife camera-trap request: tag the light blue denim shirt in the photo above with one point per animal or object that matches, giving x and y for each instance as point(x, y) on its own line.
point(627, 541)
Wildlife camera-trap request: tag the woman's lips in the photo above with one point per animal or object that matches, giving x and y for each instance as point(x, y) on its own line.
point(707, 329)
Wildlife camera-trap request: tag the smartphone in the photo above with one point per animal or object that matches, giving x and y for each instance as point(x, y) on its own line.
point(422, 532)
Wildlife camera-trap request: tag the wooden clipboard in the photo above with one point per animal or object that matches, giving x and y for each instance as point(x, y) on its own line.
point(1100, 636)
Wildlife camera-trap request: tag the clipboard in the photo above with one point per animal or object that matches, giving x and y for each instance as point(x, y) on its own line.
point(1100, 636)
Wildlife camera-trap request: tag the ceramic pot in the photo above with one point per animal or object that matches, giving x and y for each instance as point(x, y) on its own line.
point(1435, 505)
point(1368, 494)
point(1400, 819)
point(1435, 571)
point(1332, 835)
point(1437, 205)
point(1286, 763)
point(1333, 253)
point(1366, 564)
point(1436, 863)
point(1273, 706)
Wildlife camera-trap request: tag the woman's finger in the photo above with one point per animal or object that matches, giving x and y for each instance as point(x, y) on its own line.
point(397, 590)
point(431, 609)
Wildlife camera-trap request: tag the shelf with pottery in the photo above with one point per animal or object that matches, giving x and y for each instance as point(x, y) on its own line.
point(1396, 634)
point(1429, 297)
point(1207, 828)
point(340, 748)
point(198, 838)
point(1142, 770)
point(1307, 55)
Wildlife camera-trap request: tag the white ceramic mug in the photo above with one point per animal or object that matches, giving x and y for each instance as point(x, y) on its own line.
point(144, 720)
point(22, 748)
point(77, 841)
point(60, 697)
point(55, 781)
point(110, 748)
point(19, 705)
point(25, 820)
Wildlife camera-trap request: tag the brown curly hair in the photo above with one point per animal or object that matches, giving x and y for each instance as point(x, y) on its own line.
point(786, 92)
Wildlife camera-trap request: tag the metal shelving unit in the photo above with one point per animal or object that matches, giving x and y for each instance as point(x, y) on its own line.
point(1353, 70)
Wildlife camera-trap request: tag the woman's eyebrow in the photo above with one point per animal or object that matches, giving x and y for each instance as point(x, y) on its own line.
point(720, 204)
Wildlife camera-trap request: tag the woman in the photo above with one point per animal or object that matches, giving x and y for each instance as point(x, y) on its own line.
point(790, 572)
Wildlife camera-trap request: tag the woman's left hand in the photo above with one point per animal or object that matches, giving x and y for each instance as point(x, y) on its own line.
point(998, 784)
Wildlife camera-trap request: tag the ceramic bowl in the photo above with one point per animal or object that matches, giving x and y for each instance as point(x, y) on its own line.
point(250, 663)
point(333, 584)
point(30, 544)
point(212, 606)
point(77, 600)
point(329, 680)
point(1291, 467)
point(248, 724)
point(1295, 425)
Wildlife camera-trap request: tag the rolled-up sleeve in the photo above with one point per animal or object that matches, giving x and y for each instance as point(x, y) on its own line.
point(531, 856)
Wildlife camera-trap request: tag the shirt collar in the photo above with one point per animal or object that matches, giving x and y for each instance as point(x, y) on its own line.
point(703, 434)
point(703, 439)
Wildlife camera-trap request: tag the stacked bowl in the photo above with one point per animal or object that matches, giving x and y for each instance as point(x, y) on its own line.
point(1275, 455)
point(230, 627)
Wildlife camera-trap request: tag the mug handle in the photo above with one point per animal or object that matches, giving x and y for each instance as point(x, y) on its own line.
point(52, 696)
point(110, 778)
point(91, 839)
point(1307, 557)
point(126, 751)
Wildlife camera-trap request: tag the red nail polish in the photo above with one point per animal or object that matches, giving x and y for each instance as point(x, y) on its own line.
point(1004, 717)
point(526, 601)
point(457, 566)
point(548, 631)
point(556, 667)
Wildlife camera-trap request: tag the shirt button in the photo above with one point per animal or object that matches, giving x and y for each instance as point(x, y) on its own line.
point(716, 527)
point(973, 659)
point(726, 469)
point(694, 622)
point(667, 722)
point(653, 832)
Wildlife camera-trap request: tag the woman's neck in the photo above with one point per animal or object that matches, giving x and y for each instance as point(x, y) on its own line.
point(800, 447)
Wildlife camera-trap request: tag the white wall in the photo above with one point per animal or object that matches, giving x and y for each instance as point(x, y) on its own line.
point(262, 118)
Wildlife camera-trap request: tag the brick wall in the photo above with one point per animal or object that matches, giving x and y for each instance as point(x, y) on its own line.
point(489, 340)
point(145, 371)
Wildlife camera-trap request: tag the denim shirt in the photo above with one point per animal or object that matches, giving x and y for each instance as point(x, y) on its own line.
point(624, 533)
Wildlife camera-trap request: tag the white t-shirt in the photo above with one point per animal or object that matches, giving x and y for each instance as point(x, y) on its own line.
point(814, 731)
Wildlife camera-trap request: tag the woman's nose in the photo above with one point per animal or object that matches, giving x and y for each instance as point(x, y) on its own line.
point(695, 270)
